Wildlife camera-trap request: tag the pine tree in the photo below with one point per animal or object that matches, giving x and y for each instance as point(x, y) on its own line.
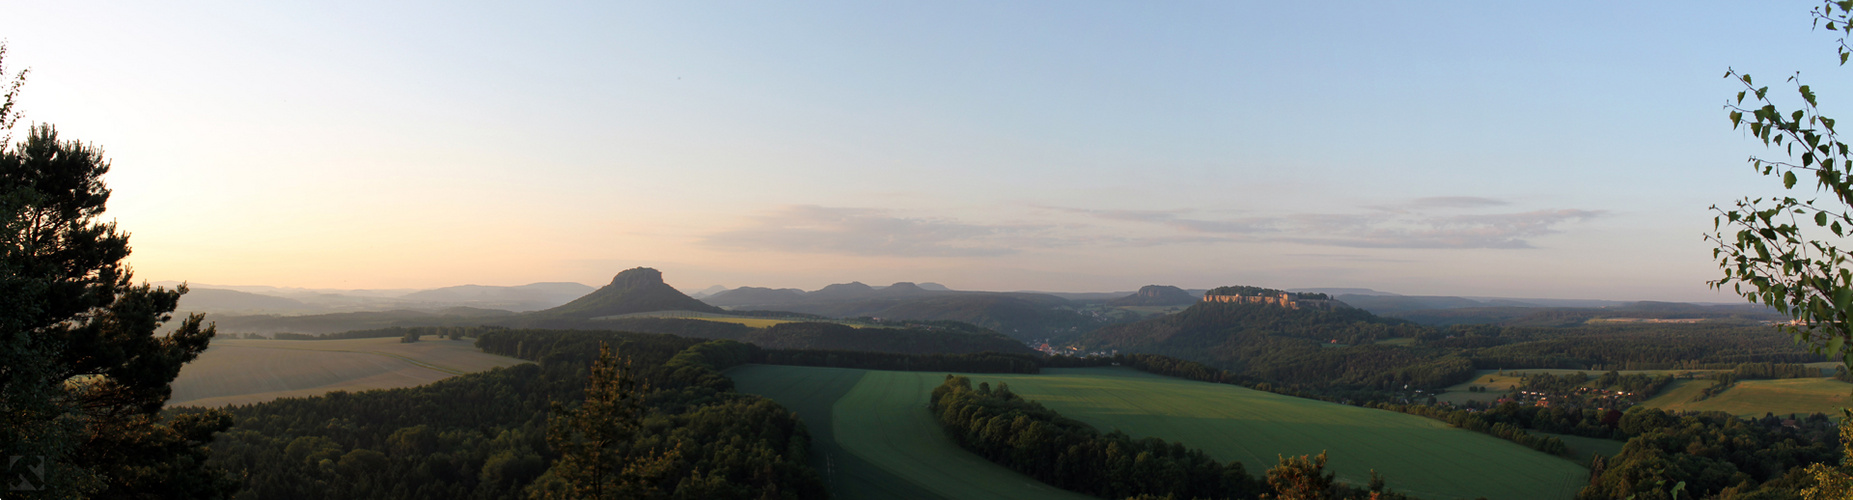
point(594, 439)
point(83, 370)
point(1300, 478)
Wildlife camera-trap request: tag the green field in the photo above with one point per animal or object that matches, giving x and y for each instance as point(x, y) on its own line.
point(1754, 398)
point(882, 423)
point(1496, 384)
point(873, 438)
point(236, 371)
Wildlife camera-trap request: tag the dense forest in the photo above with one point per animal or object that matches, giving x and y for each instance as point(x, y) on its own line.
point(1344, 352)
point(1714, 454)
point(484, 435)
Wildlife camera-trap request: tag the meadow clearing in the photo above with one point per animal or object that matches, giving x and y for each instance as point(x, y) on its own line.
point(238, 371)
point(1755, 398)
point(880, 420)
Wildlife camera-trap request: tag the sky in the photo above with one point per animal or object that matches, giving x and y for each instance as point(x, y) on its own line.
point(1555, 149)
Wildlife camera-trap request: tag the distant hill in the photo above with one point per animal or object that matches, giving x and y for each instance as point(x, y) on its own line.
point(530, 297)
point(213, 300)
point(902, 290)
point(1391, 304)
point(1156, 295)
point(909, 340)
point(853, 290)
point(1021, 316)
point(341, 322)
point(1503, 313)
point(756, 296)
point(709, 291)
point(632, 291)
point(1341, 291)
point(1266, 341)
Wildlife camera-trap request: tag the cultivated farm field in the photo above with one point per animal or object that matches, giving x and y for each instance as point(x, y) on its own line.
point(1754, 398)
point(881, 421)
point(238, 371)
point(1498, 383)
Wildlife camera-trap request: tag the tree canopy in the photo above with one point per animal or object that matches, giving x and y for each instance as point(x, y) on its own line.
point(1784, 251)
point(83, 372)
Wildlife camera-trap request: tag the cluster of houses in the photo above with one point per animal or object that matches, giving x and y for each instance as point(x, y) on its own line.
point(1045, 348)
point(1583, 396)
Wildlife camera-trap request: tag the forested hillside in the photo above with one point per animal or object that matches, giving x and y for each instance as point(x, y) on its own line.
point(1345, 347)
point(484, 435)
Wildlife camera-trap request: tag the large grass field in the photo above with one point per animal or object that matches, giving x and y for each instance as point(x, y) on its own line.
point(873, 438)
point(1754, 398)
point(881, 421)
point(234, 371)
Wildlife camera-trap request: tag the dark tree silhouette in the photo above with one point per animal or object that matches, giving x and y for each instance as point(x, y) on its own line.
point(83, 373)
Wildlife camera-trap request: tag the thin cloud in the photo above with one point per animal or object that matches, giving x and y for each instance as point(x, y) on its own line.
point(869, 232)
point(1404, 226)
point(1493, 231)
point(1456, 202)
point(1171, 218)
point(877, 232)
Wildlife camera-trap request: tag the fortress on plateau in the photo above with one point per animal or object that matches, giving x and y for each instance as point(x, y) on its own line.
point(1280, 298)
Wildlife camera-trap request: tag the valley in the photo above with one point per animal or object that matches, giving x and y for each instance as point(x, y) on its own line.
point(877, 421)
point(1247, 379)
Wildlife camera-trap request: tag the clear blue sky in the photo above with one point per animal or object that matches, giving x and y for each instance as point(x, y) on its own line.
point(1556, 149)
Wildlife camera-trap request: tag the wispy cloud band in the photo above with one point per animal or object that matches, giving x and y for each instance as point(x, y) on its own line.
point(878, 232)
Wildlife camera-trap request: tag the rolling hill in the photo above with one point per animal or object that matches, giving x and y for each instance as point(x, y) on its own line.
point(1269, 342)
point(529, 297)
point(1156, 295)
point(220, 300)
point(1022, 316)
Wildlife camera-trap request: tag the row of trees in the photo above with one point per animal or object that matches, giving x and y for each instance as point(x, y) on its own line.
point(1485, 423)
point(1029, 438)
